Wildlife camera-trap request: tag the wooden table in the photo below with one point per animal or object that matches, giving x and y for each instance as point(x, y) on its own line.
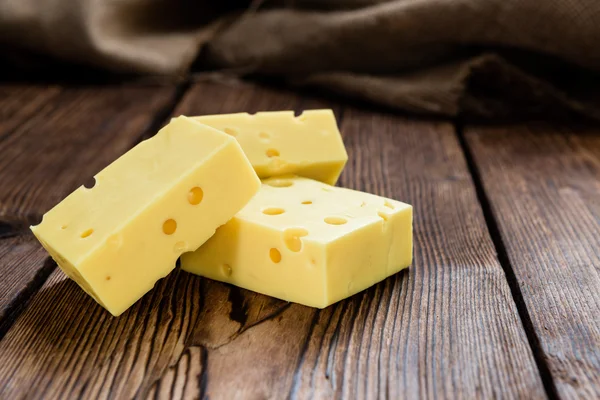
point(502, 300)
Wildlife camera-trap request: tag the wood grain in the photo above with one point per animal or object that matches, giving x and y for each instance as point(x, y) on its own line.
point(67, 140)
point(232, 96)
point(543, 183)
point(446, 328)
point(24, 263)
point(18, 103)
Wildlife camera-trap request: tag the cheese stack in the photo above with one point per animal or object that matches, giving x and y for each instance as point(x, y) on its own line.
point(299, 239)
point(194, 189)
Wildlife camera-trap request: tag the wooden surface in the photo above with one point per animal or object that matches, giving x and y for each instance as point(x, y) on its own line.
point(25, 267)
point(502, 299)
point(543, 184)
point(66, 140)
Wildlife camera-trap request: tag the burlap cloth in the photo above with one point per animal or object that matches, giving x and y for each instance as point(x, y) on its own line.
point(483, 58)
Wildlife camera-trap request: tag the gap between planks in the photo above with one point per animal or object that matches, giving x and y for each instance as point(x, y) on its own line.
point(492, 225)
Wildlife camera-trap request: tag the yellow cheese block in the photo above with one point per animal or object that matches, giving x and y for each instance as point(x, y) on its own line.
point(307, 242)
point(165, 196)
point(277, 143)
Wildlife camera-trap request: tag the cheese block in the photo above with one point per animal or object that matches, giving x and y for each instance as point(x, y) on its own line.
point(278, 143)
point(307, 242)
point(165, 196)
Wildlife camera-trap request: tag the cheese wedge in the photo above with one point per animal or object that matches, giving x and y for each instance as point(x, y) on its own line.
point(277, 143)
point(165, 196)
point(307, 242)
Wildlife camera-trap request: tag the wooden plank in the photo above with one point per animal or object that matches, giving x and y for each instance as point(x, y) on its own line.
point(25, 265)
point(19, 102)
point(66, 141)
point(232, 96)
point(448, 327)
point(544, 190)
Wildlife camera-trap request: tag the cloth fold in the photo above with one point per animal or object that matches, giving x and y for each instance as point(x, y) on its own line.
point(487, 59)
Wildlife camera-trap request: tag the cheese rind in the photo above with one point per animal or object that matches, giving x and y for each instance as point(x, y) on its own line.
point(165, 196)
point(278, 143)
point(307, 242)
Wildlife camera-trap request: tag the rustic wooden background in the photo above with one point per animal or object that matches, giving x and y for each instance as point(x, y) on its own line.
point(502, 301)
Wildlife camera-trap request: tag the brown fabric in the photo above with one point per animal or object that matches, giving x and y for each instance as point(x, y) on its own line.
point(485, 58)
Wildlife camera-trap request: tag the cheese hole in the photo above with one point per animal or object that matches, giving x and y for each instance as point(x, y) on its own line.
point(335, 220)
point(382, 215)
point(388, 204)
point(307, 202)
point(263, 135)
point(273, 211)
point(280, 183)
point(63, 227)
point(230, 131)
point(87, 233)
point(292, 240)
point(195, 196)
point(169, 227)
point(275, 255)
point(226, 270)
point(326, 189)
point(272, 153)
point(89, 183)
point(363, 204)
point(108, 278)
